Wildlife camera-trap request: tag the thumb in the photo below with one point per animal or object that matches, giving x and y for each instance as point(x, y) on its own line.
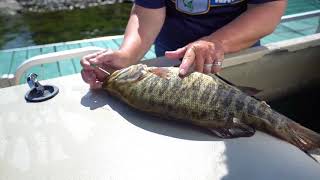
point(177, 54)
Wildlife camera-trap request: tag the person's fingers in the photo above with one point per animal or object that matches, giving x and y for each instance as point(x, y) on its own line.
point(85, 60)
point(89, 56)
point(103, 74)
point(86, 64)
point(93, 55)
point(199, 62)
point(177, 54)
point(95, 73)
point(96, 85)
point(217, 64)
point(88, 76)
point(103, 58)
point(100, 75)
point(207, 67)
point(187, 61)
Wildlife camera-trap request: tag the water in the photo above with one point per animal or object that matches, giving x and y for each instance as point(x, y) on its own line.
point(43, 28)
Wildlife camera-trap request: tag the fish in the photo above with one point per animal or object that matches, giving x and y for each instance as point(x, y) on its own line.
point(204, 100)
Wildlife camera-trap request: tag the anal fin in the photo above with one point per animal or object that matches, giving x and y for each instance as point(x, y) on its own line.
point(234, 130)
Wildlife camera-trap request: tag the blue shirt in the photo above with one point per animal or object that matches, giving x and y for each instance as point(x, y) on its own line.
point(189, 20)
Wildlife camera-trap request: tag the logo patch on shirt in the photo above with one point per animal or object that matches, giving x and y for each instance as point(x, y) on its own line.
point(195, 7)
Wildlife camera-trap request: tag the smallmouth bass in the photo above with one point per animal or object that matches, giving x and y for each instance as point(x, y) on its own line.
point(206, 101)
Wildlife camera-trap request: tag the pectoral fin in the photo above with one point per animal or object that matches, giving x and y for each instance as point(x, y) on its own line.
point(161, 72)
point(234, 130)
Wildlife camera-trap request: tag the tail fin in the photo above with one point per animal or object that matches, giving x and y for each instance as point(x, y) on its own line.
point(302, 137)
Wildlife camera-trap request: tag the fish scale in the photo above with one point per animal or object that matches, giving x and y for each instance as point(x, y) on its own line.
point(206, 101)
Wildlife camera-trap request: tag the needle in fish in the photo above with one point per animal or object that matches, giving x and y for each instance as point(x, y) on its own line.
point(101, 69)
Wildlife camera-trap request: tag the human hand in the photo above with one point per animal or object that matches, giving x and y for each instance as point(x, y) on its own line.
point(205, 56)
point(106, 60)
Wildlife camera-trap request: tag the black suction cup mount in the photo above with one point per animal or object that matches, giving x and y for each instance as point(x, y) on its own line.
point(38, 92)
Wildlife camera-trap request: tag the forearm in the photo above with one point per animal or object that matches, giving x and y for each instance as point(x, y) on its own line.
point(252, 25)
point(143, 27)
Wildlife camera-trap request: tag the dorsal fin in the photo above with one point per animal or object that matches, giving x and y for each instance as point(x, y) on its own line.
point(251, 91)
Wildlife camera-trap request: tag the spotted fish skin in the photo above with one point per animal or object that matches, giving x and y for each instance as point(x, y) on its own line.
point(203, 100)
